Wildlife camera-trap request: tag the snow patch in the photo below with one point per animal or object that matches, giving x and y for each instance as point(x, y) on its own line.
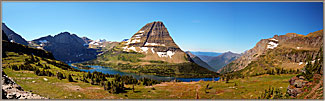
point(135, 41)
point(96, 44)
point(170, 53)
point(272, 45)
point(128, 49)
point(153, 44)
point(139, 35)
point(300, 63)
point(43, 41)
point(162, 54)
point(153, 51)
point(141, 31)
point(273, 39)
point(144, 49)
point(166, 54)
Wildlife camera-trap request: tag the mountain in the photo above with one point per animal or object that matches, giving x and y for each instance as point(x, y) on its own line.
point(220, 61)
point(205, 56)
point(151, 50)
point(197, 53)
point(12, 36)
point(154, 40)
point(65, 47)
point(285, 51)
point(4, 36)
point(198, 61)
point(87, 40)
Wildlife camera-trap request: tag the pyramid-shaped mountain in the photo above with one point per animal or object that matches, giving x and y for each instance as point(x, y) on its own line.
point(154, 40)
point(151, 50)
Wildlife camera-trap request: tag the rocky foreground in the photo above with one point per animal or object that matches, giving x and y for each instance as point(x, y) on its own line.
point(299, 87)
point(11, 90)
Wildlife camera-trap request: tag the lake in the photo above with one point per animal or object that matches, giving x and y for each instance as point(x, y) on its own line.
point(108, 70)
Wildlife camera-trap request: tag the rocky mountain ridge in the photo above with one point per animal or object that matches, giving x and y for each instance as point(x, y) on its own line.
point(220, 61)
point(291, 49)
point(200, 62)
point(12, 36)
point(65, 47)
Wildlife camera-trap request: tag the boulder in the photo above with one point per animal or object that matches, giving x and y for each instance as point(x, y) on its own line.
point(298, 83)
point(301, 77)
point(292, 80)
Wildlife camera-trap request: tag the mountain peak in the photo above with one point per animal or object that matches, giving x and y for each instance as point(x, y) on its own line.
point(154, 38)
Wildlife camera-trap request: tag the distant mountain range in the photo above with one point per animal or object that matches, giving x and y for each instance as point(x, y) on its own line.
point(200, 62)
point(222, 60)
point(212, 60)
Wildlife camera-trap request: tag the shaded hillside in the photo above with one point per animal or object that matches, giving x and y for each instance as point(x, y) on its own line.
point(198, 61)
point(220, 61)
point(12, 36)
point(65, 47)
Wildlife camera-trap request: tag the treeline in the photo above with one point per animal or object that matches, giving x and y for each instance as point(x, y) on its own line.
point(313, 66)
point(183, 70)
point(117, 85)
point(271, 93)
point(19, 48)
point(277, 71)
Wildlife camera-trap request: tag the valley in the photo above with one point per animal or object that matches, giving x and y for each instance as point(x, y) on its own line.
point(150, 65)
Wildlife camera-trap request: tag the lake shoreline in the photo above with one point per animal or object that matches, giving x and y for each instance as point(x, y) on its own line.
point(109, 70)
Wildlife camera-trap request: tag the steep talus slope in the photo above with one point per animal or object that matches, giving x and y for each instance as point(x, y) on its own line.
point(285, 51)
point(219, 61)
point(12, 36)
point(65, 47)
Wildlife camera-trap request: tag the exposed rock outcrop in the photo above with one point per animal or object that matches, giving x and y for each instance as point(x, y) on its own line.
point(293, 48)
point(298, 86)
point(11, 90)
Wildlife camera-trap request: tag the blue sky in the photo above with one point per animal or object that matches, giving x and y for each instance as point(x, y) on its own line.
point(194, 26)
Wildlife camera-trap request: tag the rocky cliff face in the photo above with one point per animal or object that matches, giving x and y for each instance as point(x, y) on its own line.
point(12, 36)
point(219, 61)
point(154, 40)
point(288, 50)
point(66, 47)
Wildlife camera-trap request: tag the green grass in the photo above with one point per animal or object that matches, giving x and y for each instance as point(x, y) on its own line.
point(248, 88)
